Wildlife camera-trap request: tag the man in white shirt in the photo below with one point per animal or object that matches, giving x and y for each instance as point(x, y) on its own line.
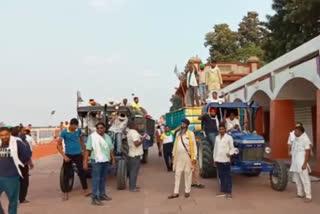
point(222, 152)
point(192, 84)
point(215, 98)
point(232, 123)
point(135, 141)
point(301, 148)
point(118, 125)
point(292, 138)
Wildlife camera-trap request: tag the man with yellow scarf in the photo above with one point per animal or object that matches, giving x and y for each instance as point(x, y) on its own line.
point(184, 158)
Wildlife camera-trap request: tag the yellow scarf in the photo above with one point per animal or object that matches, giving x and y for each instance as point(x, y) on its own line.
point(190, 144)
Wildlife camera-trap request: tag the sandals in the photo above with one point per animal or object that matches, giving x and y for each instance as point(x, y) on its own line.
point(173, 196)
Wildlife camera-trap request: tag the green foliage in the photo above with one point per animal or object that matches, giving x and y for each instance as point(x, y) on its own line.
point(222, 43)
point(294, 23)
point(226, 45)
point(251, 30)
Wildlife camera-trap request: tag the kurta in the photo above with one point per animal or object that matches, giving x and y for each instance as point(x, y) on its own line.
point(214, 79)
point(182, 160)
point(298, 150)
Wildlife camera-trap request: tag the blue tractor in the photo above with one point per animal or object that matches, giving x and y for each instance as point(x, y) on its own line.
point(251, 149)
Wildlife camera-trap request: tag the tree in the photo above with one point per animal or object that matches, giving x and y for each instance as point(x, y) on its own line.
point(250, 50)
point(294, 23)
point(251, 30)
point(176, 103)
point(222, 43)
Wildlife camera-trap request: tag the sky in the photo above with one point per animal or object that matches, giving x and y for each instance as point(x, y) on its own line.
point(106, 49)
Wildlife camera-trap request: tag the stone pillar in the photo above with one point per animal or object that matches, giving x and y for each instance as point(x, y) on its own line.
point(281, 124)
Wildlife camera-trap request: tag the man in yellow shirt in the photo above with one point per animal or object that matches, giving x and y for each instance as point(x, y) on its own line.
point(137, 107)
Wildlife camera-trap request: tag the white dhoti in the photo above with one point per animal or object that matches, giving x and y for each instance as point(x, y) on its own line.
point(182, 165)
point(303, 183)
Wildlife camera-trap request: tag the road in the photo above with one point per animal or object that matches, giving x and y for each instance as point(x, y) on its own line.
point(251, 195)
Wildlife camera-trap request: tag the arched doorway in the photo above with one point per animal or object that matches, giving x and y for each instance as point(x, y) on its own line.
point(262, 121)
point(301, 95)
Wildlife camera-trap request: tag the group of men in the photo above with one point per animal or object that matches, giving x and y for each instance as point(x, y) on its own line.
point(15, 161)
point(201, 80)
point(100, 150)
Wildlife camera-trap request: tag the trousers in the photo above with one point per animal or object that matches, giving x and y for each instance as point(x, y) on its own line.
point(224, 173)
point(11, 186)
point(78, 160)
point(167, 154)
point(203, 92)
point(133, 167)
point(193, 93)
point(303, 183)
point(182, 165)
point(99, 176)
point(24, 183)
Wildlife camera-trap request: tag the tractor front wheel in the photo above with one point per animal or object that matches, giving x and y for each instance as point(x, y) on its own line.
point(279, 176)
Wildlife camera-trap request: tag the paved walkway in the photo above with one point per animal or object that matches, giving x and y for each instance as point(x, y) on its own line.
point(251, 195)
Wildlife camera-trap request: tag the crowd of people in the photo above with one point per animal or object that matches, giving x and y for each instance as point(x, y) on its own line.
point(179, 148)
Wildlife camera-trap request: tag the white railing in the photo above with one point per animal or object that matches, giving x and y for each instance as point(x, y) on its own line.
point(44, 135)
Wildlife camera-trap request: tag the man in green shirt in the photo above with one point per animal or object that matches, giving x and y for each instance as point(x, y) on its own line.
point(100, 149)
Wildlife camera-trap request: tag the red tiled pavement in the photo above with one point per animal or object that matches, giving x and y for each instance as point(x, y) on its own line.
point(251, 195)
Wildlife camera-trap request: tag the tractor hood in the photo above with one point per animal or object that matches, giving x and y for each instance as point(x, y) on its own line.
point(240, 137)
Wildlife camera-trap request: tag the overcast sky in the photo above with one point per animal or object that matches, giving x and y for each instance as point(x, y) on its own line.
point(107, 49)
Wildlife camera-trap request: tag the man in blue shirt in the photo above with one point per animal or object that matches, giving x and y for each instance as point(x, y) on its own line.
point(74, 150)
point(12, 155)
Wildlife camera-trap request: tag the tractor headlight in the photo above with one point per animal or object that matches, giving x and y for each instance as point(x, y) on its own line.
point(236, 151)
point(267, 150)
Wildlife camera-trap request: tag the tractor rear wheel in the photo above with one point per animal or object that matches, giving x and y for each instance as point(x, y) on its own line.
point(207, 170)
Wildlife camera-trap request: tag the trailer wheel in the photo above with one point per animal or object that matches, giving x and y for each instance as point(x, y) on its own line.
point(207, 170)
point(66, 178)
point(122, 174)
point(279, 176)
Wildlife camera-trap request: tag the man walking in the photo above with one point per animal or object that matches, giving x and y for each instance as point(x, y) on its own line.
point(12, 155)
point(184, 158)
point(223, 150)
point(135, 141)
point(24, 180)
point(74, 150)
point(301, 148)
point(100, 149)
